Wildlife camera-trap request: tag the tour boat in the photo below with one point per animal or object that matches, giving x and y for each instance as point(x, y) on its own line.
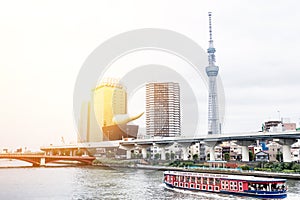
point(227, 184)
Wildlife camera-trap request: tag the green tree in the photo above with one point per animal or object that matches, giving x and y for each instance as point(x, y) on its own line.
point(226, 156)
point(157, 156)
point(148, 155)
point(167, 156)
point(251, 156)
point(172, 155)
point(279, 156)
point(195, 157)
point(296, 167)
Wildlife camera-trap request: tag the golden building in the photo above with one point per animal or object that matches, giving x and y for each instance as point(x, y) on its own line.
point(105, 116)
point(109, 99)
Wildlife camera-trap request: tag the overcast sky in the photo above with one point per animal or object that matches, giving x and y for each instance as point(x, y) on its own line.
point(43, 45)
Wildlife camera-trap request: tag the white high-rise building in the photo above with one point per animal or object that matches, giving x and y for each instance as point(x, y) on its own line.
point(163, 109)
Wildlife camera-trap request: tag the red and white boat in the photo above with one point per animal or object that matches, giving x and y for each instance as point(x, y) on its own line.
point(227, 184)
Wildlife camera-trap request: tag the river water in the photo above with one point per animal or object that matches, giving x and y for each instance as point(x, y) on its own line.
point(98, 183)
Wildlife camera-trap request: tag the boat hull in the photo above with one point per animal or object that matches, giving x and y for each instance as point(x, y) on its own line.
point(260, 195)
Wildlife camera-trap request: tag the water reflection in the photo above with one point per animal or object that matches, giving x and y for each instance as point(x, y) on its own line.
point(99, 183)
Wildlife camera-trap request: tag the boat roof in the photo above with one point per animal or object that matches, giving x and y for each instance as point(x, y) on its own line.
point(225, 176)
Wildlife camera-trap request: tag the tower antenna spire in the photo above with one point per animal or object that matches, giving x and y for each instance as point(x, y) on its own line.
point(210, 27)
point(211, 50)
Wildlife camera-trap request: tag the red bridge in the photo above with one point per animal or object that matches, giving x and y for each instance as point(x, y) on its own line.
point(42, 160)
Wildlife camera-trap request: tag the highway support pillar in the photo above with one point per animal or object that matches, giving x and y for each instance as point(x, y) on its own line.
point(163, 153)
point(286, 148)
point(162, 148)
point(144, 147)
point(185, 149)
point(144, 153)
point(128, 150)
point(286, 153)
point(245, 150)
point(128, 154)
point(212, 146)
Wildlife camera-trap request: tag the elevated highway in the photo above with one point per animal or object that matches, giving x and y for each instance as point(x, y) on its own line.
point(218, 138)
point(286, 139)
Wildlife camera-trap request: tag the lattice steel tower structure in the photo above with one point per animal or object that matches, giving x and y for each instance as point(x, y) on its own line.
point(214, 125)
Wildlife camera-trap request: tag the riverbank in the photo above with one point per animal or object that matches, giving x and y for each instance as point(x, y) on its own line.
point(138, 165)
point(223, 171)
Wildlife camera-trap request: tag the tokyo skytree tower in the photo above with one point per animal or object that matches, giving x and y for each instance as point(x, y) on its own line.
point(214, 125)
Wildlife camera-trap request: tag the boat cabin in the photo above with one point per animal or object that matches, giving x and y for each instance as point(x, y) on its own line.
point(232, 184)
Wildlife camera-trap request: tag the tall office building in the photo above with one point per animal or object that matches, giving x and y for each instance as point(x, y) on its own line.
point(163, 109)
point(109, 99)
point(214, 125)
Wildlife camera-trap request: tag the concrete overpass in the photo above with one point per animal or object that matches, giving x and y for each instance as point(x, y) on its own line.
point(286, 139)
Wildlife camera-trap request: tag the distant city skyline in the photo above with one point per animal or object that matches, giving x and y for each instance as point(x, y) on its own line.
point(44, 45)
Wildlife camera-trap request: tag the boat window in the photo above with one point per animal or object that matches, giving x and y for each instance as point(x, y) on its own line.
point(223, 185)
point(280, 187)
point(188, 179)
point(193, 179)
point(216, 188)
point(181, 184)
point(262, 187)
point(176, 184)
point(204, 180)
point(181, 178)
point(176, 178)
point(198, 186)
point(241, 188)
point(251, 186)
point(192, 185)
point(209, 187)
point(211, 181)
point(217, 180)
point(203, 187)
point(186, 185)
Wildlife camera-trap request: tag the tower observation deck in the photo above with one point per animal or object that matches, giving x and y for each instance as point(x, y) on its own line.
point(214, 125)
